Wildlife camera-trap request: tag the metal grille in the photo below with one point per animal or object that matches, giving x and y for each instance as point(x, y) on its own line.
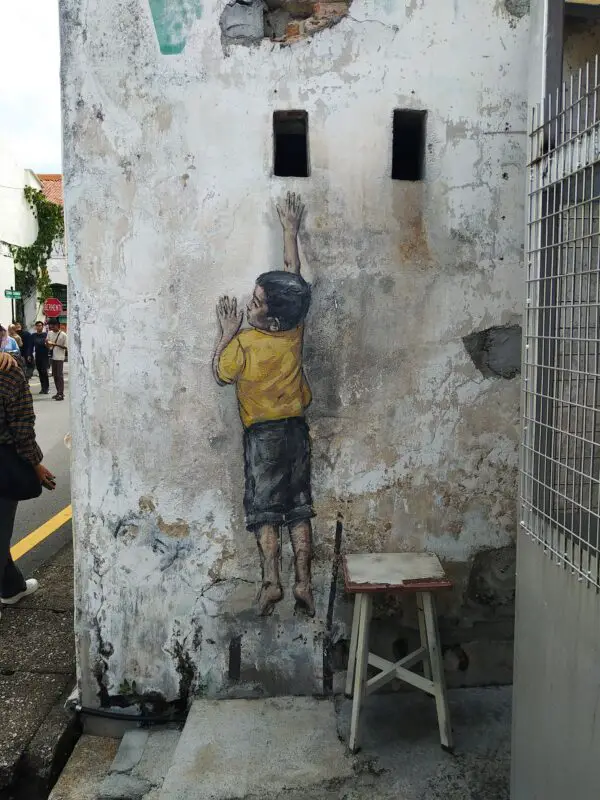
point(560, 475)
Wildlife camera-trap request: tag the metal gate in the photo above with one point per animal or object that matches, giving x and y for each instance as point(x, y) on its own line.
point(561, 383)
point(556, 728)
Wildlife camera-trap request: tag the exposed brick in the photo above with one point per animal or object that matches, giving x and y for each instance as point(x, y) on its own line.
point(299, 8)
point(292, 29)
point(330, 10)
point(313, 25)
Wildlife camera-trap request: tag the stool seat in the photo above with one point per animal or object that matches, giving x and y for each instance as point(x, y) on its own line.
point(366, 574)
point(394, 572)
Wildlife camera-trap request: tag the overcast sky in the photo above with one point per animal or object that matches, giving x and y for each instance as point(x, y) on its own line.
point(29, 83)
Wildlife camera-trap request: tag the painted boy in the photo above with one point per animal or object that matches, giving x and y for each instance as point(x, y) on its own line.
point(264, 361)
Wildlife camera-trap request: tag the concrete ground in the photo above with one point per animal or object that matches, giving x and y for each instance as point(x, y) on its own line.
point(401, 746)
point(37, 673)
point(295, 749)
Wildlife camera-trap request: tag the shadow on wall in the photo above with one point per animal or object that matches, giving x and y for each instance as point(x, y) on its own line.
point(496, 351)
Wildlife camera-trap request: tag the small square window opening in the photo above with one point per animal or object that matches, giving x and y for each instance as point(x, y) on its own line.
point(290, 140)
point(408, 145)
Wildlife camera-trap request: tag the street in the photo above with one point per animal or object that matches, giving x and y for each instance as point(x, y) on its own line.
point(52, 424)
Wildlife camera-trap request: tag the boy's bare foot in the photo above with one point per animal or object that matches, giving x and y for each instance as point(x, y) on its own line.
point(270, 594)
point(305, 601)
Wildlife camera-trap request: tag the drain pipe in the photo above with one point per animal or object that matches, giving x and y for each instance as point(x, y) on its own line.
point(146, 719)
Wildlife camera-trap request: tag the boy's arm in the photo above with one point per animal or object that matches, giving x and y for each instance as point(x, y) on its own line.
point(290, 216)
point(230, 321)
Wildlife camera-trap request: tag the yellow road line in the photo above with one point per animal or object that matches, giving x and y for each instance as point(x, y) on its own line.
point(39, 534)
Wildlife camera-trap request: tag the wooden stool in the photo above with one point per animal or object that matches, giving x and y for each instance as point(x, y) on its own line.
point(378, 573)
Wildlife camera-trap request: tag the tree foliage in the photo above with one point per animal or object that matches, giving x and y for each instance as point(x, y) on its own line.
point(31, 271)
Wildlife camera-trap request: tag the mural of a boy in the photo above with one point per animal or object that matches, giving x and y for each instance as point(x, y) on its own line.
point(264, 362)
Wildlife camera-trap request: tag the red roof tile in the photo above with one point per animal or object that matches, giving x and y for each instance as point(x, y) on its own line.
point(52, 187)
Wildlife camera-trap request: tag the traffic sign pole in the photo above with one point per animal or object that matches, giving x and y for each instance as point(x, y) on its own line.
point(12, 294)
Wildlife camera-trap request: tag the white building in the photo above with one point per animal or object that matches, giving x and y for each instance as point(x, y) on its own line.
point(18, 225)
point(407, 141)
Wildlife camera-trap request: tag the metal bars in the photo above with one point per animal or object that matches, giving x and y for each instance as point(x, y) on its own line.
point(560, 456)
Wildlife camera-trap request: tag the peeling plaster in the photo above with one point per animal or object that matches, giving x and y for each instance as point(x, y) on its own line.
point(173, 20)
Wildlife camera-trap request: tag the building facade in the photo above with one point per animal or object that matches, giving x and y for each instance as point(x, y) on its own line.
point(18, 225)
point(403, 127)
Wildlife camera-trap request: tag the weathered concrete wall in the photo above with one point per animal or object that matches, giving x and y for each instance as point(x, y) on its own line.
point(170, 203)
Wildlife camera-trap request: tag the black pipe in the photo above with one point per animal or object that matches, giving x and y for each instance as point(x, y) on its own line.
point(327, 641)
point(147, 719)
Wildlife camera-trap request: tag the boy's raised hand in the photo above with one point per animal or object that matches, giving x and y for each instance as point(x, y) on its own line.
point(230, 319)
point(290, 212)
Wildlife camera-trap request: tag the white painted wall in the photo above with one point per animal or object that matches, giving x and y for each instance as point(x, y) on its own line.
point(170, 203)
point(18, 223)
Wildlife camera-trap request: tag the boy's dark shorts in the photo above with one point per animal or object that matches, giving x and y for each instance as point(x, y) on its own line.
point(277, 471)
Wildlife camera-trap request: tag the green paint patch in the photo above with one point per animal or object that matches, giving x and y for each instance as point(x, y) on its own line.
point(173, 20)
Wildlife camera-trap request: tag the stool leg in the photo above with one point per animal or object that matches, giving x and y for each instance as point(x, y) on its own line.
point(353, 643)
point(360, 675)
point(437, 669)
point(423, 635)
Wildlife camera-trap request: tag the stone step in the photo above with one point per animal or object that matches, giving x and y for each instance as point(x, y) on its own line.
point(246, 748)
point(140, 765)
point(86, 769)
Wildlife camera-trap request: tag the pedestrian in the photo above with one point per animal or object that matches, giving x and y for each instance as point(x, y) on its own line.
point(56, 342)
point(7, 343)
point(14, 334)
point(41, 356)
point(21, 471)
point(26, 348)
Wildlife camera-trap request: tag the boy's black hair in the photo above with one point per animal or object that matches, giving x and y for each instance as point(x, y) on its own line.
point(287, 296)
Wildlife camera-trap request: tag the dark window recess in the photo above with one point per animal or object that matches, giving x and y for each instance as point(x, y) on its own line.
point(290, 137)
point(408, 145)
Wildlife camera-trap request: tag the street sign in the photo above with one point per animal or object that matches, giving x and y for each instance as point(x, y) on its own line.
point(53, 307)
point(12, 294)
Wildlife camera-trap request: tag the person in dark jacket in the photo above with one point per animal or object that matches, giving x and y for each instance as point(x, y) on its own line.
point(26, 347)
point(41, 355)
point(17, 429)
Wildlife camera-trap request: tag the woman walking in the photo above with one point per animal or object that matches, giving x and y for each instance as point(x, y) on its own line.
point(21, 471)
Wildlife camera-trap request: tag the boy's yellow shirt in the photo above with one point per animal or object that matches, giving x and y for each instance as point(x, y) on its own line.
point(267, 370)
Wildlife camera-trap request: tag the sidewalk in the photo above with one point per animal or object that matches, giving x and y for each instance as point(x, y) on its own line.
point(37, 673)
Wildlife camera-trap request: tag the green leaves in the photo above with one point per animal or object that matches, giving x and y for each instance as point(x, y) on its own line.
point(31, 262)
